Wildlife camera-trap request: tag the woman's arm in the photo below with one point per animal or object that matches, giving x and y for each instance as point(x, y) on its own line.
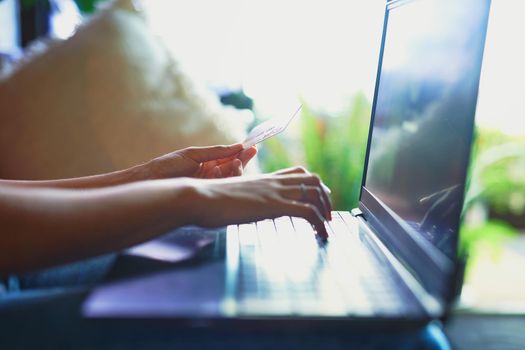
point(136, 173)
point(200, 162)
point(45, 226)
point(42, 227)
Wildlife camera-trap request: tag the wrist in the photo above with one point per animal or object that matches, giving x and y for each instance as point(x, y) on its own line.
point(155, 169)
point(189, 200)
point(195, 198)
point(141, 172)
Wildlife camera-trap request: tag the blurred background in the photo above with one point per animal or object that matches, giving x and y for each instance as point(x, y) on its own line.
point(270, 56)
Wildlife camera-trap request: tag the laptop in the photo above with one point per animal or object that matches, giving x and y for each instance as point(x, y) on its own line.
point(394, 258)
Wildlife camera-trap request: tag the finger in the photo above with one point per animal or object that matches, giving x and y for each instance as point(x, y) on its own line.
point(212, 173)
point(225, 160)
point(237, 167)
point(309, 194)
point(299, 177)
point(217, 172)
point(326, 203)
point(293, 170)
point(299, 170)
point(325, 197)
point(246, 155)
point(310, 213)
point(207, 169)
point(203, 154)
point(198, 173)
point(232, 168)
point(326, 188)
point(309, 180)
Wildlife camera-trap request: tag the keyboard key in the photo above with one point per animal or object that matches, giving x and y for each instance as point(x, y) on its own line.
point(284, 269)
point(248, 235)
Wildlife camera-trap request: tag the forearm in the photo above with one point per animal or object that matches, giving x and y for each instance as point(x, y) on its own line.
point(44, 227)
point(136, 173)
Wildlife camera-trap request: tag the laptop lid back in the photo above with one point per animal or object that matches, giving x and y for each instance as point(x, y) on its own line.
point(421, 132)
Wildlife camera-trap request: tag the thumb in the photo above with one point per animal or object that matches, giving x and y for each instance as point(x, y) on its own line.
point(203, 154)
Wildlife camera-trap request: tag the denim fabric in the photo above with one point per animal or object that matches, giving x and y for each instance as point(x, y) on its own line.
point(83, 273)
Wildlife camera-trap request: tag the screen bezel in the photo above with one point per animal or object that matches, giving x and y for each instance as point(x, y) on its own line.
point(429, 265)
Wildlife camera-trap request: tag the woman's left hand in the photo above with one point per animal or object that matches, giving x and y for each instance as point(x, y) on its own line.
point(201, 162)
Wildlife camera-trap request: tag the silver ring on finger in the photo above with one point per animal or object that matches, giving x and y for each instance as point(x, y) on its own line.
point(303, 193)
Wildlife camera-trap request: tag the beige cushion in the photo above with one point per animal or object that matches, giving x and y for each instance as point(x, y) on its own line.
point(109, 97)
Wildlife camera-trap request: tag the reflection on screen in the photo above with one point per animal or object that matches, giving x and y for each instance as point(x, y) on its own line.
point(424, 112)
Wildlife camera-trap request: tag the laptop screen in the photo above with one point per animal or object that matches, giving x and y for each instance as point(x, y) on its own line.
point(423, 113)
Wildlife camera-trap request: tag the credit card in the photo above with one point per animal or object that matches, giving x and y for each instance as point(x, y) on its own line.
point(268, 129)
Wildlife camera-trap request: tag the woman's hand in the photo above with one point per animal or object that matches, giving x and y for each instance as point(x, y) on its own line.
point(292, 192)
point(201, 162)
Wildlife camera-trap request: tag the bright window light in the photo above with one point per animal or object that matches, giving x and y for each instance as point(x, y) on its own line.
point(322, 52)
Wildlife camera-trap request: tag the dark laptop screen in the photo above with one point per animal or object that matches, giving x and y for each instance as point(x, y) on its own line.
point(424, 111)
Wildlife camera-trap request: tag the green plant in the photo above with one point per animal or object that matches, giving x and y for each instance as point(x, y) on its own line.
point(335, 148)
point(500, 166)
point(274, 155)
point(496, 184)
point(487, 236)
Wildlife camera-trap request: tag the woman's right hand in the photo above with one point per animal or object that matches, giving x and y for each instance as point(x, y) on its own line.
point(291, 192)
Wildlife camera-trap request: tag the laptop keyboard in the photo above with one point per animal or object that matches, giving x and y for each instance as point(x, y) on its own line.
point(284, 269)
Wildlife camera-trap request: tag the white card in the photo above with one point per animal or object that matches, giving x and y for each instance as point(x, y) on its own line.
point(268, 129)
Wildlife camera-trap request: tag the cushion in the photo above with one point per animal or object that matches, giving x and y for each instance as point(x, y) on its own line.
point(107, 98)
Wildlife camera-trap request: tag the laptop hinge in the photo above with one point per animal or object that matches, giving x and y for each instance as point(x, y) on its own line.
point(356, 212)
